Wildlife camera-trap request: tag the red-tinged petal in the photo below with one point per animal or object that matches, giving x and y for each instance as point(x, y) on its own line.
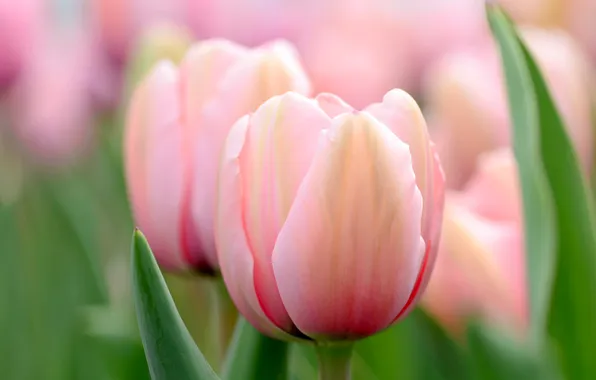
point(432, 245)
point(234, 253)
point(281, 142)
point(348, 255)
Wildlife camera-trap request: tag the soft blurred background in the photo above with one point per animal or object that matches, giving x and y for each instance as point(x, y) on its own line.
point(67, 68)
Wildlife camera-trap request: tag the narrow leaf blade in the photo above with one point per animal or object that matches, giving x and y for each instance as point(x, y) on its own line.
point(538, 207)
point(572, 309)
point(169, 348)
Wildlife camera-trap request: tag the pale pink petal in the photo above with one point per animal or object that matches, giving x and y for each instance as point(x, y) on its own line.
point(203, 68)
point(489, 257)
point(235, 257)
point(494, 190)
point(281, 142)
point(259, 75)
point(163, 163)
point(402, 115)
point(332, 104)
point(349, 253)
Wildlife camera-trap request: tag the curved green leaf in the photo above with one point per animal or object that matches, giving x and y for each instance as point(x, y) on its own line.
point(169, 348)
point(573, 306)
point(254, 356)
point(540, 237)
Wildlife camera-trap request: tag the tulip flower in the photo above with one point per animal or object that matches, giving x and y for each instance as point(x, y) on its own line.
point(327, 217)
point(52, 115)
point(480, 269)
point(467, 108)
point(176, 127)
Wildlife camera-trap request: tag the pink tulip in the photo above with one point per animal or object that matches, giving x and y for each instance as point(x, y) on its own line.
point(176, 127)
point(52, 101)
point(369, 46)
point(480, 270)
point(467, 106)
point(19, 27)
point(456, 25)
point(327, 217)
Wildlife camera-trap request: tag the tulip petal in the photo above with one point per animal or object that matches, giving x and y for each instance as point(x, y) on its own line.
point(153, 156)
point(203, 68)
point(234, 254)
point(432, 245)
point(400, 112)
point(349, 253)
point(259, 75)
point(332, 104)
point(493, 192)
point(280, 146)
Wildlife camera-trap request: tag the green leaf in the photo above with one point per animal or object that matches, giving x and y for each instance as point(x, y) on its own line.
point(169, 348)
point(540, 237)
point(252, 355)
point(573, 306)
point(498, 357)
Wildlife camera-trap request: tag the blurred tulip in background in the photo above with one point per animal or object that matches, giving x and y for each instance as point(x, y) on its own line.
point(466, 100)
point(177, 124)
point(480, 269)
point(327, 222)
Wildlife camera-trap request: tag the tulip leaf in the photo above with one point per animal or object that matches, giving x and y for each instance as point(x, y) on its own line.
point(254, 356)
point(572, 310)
point(169, 348)
point(538, 207)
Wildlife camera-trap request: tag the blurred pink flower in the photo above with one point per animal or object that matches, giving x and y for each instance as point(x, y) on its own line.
point(327, 217)
point(480, 269)
point(436, 28)
point(467, 109)
point(20, 24)
point(176, 127)
point(52, 101)
point(358, 50)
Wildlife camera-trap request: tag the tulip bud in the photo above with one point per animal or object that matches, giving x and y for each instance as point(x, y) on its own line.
point(328, 217)
point(468, 110)
point(480, 270)
point(177, 123)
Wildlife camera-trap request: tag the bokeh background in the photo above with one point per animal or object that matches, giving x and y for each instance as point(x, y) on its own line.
point(67, 69)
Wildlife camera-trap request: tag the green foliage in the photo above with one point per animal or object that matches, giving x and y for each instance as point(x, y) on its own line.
point(538, 126)
point(169, 348)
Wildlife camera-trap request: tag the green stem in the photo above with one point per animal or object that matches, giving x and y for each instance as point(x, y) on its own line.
point(225, 316)
point(335, 361)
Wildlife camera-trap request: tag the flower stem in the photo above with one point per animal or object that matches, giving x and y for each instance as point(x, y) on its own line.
point(225, 316)
point(335, 361)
